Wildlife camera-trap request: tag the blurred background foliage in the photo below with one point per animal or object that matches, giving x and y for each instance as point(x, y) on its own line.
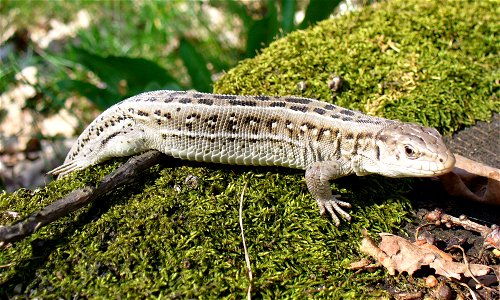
point(63, 62)
point(135, 46)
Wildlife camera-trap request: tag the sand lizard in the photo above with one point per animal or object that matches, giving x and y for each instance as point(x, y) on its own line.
point(325, 140)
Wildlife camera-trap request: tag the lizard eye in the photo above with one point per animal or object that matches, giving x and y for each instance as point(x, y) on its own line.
point(410, 153)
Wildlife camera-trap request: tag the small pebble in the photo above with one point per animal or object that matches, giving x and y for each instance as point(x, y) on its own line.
point(431, 281)
point(302, 86)
point(336, 83)
point(192, 181)
point(442, 292)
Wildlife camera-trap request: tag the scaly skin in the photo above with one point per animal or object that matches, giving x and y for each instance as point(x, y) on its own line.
point(325, 140)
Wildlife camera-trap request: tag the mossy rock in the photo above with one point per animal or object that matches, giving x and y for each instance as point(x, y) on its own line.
point(435, 63)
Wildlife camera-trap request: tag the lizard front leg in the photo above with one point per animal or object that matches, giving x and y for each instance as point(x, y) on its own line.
point(317, 180)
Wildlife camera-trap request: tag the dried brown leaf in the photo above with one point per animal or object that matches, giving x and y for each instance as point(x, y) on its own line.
point(398, 254)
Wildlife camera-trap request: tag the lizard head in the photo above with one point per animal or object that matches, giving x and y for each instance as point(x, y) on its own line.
point(411, 150)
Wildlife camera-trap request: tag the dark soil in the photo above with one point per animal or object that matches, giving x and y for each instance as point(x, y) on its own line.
point(480, 143)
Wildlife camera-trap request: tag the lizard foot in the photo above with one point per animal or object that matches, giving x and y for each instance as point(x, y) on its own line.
point(333, 207)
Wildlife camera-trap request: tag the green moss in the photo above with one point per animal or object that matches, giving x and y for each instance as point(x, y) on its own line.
point(431, 62)
point(161, 238)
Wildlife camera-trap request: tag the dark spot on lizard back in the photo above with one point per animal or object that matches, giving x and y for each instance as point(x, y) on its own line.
point(299, 108)
point(109, 137)
point(346, 119)
point(142, 113)
point(206, 101)
point(158, 112)
point(232, 125)
point(319, 111)
point(308, 125)
point(330, 107)
point(185, 100)
point(240, 102)
point(198, 95)
point(297, 100)
point(270, 123)
point(322, 134)
point(194, 116)
point(356, 147)
point(364, 120)
point(278, 104)
point(225, 97)
point(213, 118)
point(262, 98)
point(212, 121)
point(249, 119)
point(347, 112)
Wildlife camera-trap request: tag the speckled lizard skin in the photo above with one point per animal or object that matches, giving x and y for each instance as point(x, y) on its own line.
point(325, 140)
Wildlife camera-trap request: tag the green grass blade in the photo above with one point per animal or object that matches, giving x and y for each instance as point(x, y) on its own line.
point(196, 66)
point(288, 15)
point(318, 10)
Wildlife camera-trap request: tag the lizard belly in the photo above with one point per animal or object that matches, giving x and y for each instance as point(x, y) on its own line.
point(227, 149)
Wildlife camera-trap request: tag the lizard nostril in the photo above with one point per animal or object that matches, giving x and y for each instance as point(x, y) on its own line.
point(440, 160)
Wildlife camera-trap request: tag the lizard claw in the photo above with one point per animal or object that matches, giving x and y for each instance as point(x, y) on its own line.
point(333, 208)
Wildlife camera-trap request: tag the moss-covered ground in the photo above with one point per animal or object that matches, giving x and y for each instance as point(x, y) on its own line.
point(434, 63)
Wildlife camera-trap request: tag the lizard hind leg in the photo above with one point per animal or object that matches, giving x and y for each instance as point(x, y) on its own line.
point(317, 180)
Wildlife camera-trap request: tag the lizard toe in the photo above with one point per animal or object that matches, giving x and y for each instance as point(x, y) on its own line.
point(333, 206)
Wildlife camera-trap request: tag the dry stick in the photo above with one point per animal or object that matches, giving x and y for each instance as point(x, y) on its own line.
point(126, 173)
point(247, 258)
point(473, 295)
point(466, 262)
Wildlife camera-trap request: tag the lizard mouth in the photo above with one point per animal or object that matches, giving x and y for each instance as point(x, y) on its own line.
point(443, 165)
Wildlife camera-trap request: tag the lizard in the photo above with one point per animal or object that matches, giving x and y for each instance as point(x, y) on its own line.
point(325, 140)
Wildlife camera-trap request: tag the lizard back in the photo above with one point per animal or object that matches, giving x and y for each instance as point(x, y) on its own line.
point(247, 130)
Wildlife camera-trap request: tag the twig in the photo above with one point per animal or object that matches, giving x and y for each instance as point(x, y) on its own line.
point(466, 262)
point(247, 258)
point(126, 173)
point(491, 235)
point(472, 294)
